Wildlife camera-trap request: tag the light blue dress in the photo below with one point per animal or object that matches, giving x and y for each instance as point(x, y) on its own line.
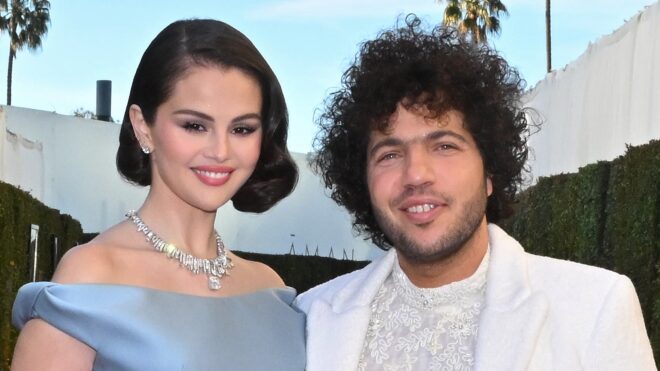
point(135, 328)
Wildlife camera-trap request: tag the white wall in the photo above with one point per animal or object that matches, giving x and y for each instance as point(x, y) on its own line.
point(23, 163)
point(78, 176)
point(607, 98)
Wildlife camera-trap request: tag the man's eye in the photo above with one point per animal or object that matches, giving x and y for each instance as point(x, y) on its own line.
point(446, 146)
point(388, 156)
point(194, 126)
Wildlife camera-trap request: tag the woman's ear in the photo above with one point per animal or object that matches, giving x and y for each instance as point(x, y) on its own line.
point(141, 129)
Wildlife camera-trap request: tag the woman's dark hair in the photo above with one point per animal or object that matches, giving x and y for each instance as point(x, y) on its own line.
point(204, 42)
point(436, 71)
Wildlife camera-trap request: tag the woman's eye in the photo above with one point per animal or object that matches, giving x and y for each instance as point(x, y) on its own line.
point(243, 130)
point(194, 126)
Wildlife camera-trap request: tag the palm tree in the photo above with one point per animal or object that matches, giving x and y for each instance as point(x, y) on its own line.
point(26, 21)
point(548, 44)
point(474, 18)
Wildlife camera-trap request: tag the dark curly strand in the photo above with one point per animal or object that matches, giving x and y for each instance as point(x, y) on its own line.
point(437, 70)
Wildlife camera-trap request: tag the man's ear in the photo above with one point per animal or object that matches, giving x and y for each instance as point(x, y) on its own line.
point(140, 127)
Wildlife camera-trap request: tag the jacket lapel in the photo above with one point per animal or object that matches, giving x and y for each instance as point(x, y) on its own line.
point(507, 339)
point(337, 327)
point(512, 320)
point(337, 338)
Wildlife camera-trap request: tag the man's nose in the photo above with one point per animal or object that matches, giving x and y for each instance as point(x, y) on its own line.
point(418, 169)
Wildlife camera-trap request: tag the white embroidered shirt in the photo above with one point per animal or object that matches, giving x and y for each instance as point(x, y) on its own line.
point(414, 328)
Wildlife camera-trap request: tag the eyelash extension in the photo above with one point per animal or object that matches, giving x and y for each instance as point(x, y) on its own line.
point(193, 126)
point(245, 130)
point(240, 130)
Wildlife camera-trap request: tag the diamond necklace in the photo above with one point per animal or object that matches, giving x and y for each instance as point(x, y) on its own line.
point(214, 269)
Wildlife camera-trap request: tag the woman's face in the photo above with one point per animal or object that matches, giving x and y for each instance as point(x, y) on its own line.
point(206, 137)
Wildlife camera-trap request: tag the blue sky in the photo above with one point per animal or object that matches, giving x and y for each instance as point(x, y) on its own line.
point(308, 43)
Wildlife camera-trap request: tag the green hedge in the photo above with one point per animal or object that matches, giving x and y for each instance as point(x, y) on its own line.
point(561, 216)
point(304, 272)
point(18, 210)
point(632, 229)
point(608, 215)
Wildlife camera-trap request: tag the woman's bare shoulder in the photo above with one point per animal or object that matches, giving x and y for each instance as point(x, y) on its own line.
point(90, 262)
point(260, 274)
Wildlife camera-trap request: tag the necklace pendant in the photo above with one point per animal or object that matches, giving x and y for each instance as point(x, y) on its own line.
point(214, 283)
point(215, 268)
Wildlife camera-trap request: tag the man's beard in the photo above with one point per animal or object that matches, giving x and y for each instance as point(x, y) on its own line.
point(464, 226)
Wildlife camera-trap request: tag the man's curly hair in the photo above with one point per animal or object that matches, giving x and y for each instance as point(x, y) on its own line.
point(436, 70)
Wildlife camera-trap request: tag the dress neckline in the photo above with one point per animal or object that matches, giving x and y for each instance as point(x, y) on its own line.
point(286, 290)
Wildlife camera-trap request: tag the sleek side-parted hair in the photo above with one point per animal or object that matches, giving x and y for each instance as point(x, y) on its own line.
point(435, 69)
point(204, 42)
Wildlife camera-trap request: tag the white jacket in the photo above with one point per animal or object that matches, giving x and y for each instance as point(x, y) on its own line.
point(540, 314)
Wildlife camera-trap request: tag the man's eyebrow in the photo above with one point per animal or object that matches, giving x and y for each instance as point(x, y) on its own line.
point(385, 142)
point(206, 117)
point(444, 133)
point(435, 135)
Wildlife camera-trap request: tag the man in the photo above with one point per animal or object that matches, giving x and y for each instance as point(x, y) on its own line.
point(425, 145)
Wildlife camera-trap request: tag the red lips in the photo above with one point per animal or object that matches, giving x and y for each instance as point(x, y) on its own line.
point(213, 175)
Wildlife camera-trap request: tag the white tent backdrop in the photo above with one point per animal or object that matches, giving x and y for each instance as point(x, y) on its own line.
point(607, 98)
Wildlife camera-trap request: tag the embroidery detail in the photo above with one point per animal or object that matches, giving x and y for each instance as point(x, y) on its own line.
point(414, 328)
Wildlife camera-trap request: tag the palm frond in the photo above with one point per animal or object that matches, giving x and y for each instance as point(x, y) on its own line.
point(474, 18)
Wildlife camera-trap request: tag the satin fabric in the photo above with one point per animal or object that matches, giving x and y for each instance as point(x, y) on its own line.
point(135, 328)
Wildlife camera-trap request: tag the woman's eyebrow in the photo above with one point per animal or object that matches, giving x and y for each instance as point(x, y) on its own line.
point(206, 117)
point(199, 114)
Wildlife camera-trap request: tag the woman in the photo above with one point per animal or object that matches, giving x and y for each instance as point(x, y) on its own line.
point(205, 122)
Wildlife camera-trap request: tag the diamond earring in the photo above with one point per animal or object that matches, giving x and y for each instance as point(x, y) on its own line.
point(145, 149)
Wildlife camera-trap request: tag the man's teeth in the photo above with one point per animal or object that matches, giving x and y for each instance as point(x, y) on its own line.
point(211, 174)
point(420, 208)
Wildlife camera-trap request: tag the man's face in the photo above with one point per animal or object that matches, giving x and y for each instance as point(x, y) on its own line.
point(427, 184)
